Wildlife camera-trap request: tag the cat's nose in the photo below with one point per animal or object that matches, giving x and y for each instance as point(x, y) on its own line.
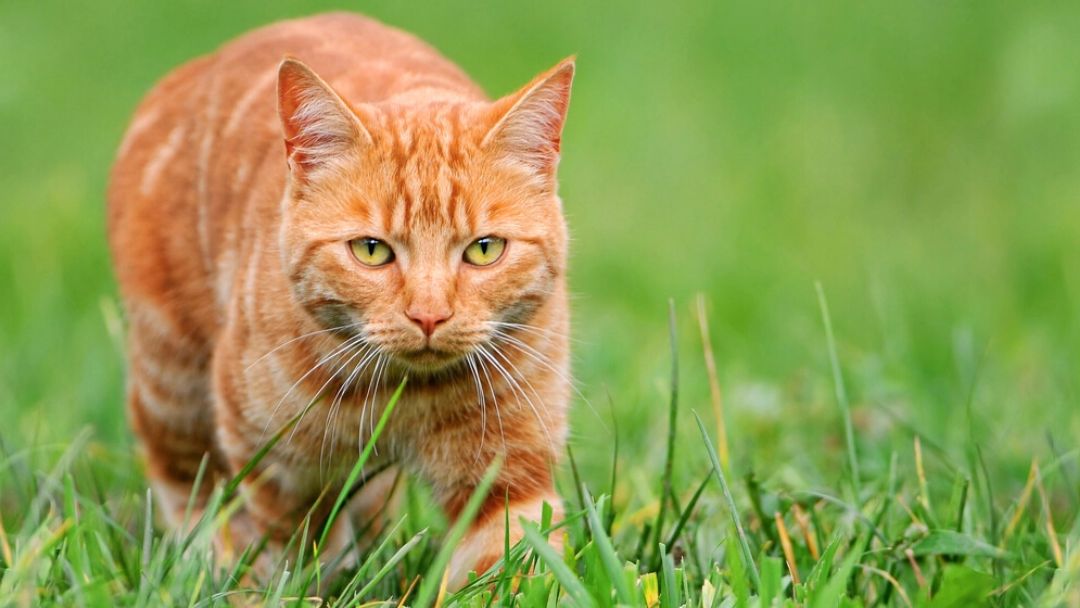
point(427, 320)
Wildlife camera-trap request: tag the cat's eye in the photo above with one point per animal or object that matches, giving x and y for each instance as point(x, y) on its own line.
point(485, 251)
point(371, 252)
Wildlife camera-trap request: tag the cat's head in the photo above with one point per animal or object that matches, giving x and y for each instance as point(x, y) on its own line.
point(424, 228)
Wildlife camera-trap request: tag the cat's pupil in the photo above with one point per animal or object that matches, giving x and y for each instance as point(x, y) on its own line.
point(483, 247)
point(371, 247)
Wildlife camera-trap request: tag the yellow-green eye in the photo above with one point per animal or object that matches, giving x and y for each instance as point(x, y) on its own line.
point(371, 252)
point(485, 251)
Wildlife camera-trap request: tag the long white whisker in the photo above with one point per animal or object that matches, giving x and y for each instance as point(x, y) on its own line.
point(534, 355)
point(368, 399)
point(540, 358)
point(494, 401)
point(298, 338)
point(346, 346)
point(520, 377)
point(336, 405)
point(518, 390)
point(359, 351)
point(533, 329)
point(480, 403)
point(371, 418)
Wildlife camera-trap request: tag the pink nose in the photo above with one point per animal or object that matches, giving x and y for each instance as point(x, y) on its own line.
point(428, 320)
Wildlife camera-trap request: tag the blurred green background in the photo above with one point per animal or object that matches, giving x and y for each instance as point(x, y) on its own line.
point(920, 159)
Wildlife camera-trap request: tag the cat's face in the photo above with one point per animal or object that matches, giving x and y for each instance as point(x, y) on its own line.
point(425, 229)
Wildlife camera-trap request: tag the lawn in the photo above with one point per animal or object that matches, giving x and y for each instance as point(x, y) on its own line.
point(874, 208)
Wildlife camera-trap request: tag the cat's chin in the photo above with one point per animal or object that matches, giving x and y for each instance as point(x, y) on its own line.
point(429, 361)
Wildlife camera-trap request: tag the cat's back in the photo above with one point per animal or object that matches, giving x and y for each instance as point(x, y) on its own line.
point(202, 163)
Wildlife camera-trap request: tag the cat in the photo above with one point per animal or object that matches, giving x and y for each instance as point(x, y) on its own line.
point(308, 215)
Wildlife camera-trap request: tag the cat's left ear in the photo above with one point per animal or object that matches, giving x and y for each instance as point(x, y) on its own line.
point(528, 124)
point(318, 125)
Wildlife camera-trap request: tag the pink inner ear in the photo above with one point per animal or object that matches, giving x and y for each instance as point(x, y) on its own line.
point(318, 127)
point(293, 80)
point(530, 131)
point(287, 101)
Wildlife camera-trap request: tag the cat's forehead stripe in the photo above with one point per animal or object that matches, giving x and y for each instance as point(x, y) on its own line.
point(426, 154)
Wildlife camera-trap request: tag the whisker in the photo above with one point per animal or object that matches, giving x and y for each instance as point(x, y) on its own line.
point(494, 401)
point(336, 405)
point(480, 402)
point(344, 347)
point(532, 353)
point(371, 419)
point(298, 338)
point(534, 329)
point(541, 359)
point(518, 390)
point(519, 376)
point(368, 399)
point(341, 367)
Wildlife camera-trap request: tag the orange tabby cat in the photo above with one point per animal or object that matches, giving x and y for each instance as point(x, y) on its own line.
point(284, 234)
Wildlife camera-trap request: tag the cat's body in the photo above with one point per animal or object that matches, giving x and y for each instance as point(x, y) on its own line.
point(236, 266)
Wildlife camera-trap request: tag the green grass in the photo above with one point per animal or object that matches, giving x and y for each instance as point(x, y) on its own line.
point(919, 161)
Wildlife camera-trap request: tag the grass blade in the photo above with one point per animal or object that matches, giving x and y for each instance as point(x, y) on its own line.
point(841, 392)
point(744, 543)
point(669, 591)
point(568, 579)
point(433, 577)
point(391, 563)
point(611, 560)
point(358, 468)
point(669, 460)
point(687, 512)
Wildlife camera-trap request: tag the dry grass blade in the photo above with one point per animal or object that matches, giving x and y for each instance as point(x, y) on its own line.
point(1051, 533)
point(785, 544)
point(804, 526)
point(714, 382)
point(1021, 503)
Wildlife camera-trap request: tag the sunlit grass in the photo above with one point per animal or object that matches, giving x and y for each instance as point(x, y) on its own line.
point(888, 540)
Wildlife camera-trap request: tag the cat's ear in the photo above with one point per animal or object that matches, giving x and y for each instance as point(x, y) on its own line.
point(529, 123)
point(319, 127)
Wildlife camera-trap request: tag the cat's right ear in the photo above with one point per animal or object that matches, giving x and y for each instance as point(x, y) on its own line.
point(319, 127)
point(529, 123)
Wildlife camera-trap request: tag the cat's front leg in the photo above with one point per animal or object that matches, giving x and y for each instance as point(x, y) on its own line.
point(454, 457)
point(485, 542)
point(285, 490)
point(277, 506)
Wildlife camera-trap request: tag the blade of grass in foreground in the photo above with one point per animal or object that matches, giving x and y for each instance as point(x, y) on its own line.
point(261, 453)
point(358, 468)
point(231, 486)
point(359, 575)
point(434, 575)
point(568, 579)
point(743, 542)
point(607, 552)
point(391, 563)
point(833, 590)
point(669, 461)
point(686, 513)
point(841, 393)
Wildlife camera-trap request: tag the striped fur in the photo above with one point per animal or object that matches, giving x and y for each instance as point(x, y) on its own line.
point(230, 213)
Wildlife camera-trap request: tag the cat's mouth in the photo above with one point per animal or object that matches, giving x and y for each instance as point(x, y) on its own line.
point(429, 360)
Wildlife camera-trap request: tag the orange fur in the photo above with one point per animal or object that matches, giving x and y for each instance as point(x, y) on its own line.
point(231, 210)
